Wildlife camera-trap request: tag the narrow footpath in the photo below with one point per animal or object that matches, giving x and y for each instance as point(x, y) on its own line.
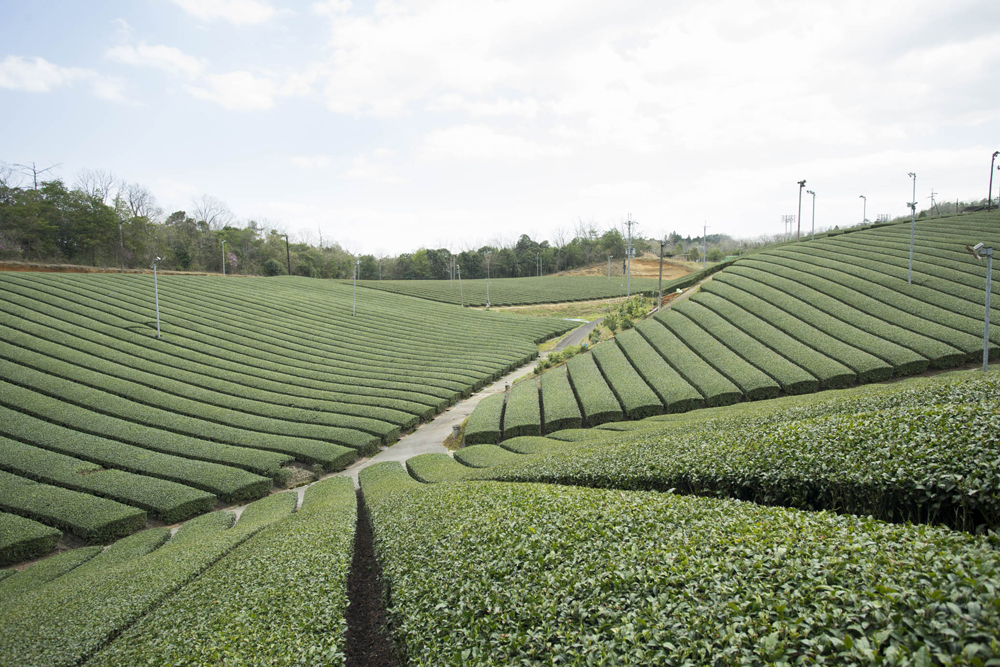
point(429, 437)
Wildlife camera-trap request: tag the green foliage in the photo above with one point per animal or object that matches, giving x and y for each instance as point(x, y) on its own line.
point(542, 574)
point(923, 452)
point(67, 620)
point(273, 267)
point(434, 468)
point(485, 423)
point(597, 402)
point(23, 539)
point(674, 392)
point(246, 610)
point(522, 415)
point(635, 396)
point(485, 456)
point(167, 501)
point(558, 401)
point(90, 517)
point(43, 572)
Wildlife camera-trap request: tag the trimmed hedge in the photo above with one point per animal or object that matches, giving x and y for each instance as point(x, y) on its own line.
point(543, 574)
point(92, 518)
point(81, 420)
point(167, 501)
point(435, 468)
point(920, 452)
point(867, 367)
point(23, 539)
point(485, 422)
point(69, 619)
point(754, 383)
point(522, 415)
point(228, 483)
point(712, 385)
point(672, 389)
point(485, 456)
point(635, 396)
point(597, 402)
point(245, 610)
point(791, 378)
point(831, 374)
point(43, 572)
point(559, 406)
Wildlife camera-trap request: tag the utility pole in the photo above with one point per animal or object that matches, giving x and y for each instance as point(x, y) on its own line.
point(814, 214)
point(610, 257)
point(913, 226)
point(704, 244)
point(288, 255)
point(357, 269)
point(989, 200)
point(798, 218)
point(659, 301)
point(461, 296)
point(628, 257)
point(223, 258)
point(156, 293)
point(488, 254)
point(538, 263)
point(864, 209)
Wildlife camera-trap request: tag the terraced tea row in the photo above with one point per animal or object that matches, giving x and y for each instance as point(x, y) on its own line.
point(917, 451)
point(524, 291)
point(796, 319)
point(547, 574)
point(249, 376)
point(213, 593)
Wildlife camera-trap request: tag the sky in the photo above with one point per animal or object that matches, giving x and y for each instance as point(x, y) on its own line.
point(389, 126)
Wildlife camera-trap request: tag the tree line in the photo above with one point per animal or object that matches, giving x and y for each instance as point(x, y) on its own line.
point(103, 221)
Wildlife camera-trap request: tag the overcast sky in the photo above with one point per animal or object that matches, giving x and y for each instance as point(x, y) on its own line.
point(447, 123)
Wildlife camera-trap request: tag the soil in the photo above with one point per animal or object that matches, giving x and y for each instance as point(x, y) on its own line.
point(642, 267)
point(367, 641)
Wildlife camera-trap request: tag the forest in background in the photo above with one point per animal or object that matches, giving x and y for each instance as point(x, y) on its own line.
point(103, 221)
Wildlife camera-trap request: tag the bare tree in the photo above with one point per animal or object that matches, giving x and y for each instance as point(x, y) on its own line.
point(138, 201)
point(33, 171)
point(97, 183)
point(10, 177)
point(212, 211)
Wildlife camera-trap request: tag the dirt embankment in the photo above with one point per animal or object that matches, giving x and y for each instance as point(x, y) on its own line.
point(642, 267)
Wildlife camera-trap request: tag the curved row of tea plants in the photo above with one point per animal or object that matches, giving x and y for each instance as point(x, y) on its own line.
point(248, 376)
point(920, 451)
point(525, 291)
point(797, 319)
point(547, 574)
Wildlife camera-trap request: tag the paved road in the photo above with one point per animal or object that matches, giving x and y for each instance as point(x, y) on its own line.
point(429, 437)
point(578, 335)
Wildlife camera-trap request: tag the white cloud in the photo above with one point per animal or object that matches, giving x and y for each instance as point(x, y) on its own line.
point(235, 11)
point(480, 142)
point(166, 58)
point(238, 91)
point(522, 108)
point(374, 166)
point(38, 75)
point(311, 161)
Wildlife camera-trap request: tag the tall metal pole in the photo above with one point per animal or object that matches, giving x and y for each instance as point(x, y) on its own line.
point(380, 269)
point(461, 296)
point(989, 200)
point(288, 255)
point(628, 259)
point(704, 244)
point(798, 218)
point(814, 214)
point(488, 279)
point(357, 269)
point(913, 226)
point(659, 301)
point(610, 257)
point(864, 209)
point(989, 280)
point(223, 258)
point(156, 295)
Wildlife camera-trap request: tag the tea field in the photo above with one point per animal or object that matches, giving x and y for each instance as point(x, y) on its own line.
point(524, 291)
point(104, 426)
point(794, 319)
point(730, 483)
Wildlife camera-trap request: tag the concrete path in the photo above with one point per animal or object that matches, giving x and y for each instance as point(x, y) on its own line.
point(578, 335)
point(429, 437)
